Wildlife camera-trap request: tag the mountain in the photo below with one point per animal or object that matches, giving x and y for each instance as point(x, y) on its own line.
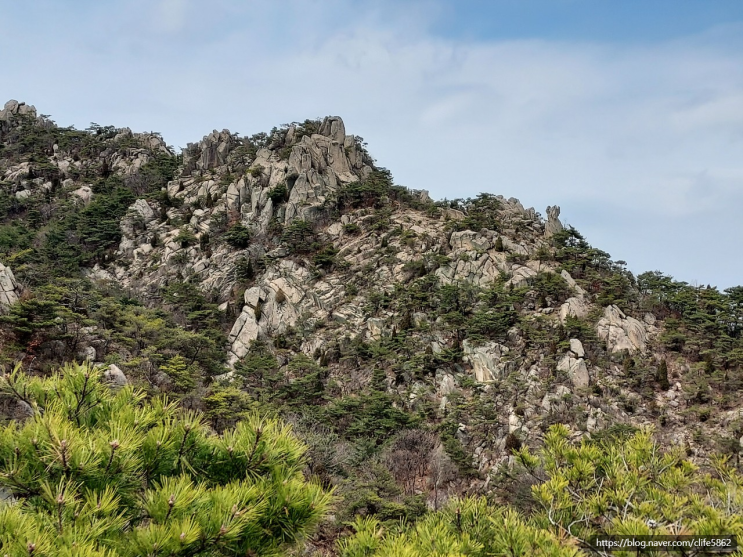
point(404, 338)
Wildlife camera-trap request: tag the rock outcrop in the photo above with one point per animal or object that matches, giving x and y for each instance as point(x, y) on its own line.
point(462, 307)
point(553, 225)
point(8, 288)
point(573, 307)
point(488, 360)
point(115, 377)
point(14, 107)
point(574, 365)
point(621, 332)
point(272, 307)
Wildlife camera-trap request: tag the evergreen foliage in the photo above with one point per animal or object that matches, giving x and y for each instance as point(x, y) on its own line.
point(618, 485)
point(238, 236)
point(100, 472)
point(630, 487)
point(480, 212)
point(279, 194)
point(465, 527)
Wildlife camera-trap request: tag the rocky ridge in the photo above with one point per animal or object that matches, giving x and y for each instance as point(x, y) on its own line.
point(306, 260)
point(290, 294)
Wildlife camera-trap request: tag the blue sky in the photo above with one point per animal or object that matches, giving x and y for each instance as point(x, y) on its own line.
point(627, 114)
point(585, 20)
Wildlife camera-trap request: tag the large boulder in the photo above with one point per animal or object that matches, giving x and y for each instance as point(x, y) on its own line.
point(270, 308)
point(208, 153)
point(8, 288)
point(469, 240)
point(621, 332)
point(576, 347)
point(115, 377)
point(487, 360)
point(13, 107)
point(576, 370)
point(573, 307)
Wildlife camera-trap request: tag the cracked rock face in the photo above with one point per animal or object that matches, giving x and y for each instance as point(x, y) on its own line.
point(573, 307)
point(553, 225)
point(621, 332)
point(271, 308)
point(336, 313)
point(8, 288)
point(576, 370)
point(487, 360)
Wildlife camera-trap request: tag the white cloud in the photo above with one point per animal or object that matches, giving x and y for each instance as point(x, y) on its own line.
point(172, 15)
point(640, 144)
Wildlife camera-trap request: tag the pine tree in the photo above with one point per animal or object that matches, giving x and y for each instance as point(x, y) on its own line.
point(662, 375)
point(99, 472)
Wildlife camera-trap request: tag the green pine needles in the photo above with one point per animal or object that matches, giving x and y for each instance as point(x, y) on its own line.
point(617, 486)
point(100, 472)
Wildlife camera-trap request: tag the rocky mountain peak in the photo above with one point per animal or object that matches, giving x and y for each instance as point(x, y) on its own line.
point(288, 269)
point(13, 107)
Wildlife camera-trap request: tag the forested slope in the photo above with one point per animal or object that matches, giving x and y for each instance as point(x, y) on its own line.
point(414, 345)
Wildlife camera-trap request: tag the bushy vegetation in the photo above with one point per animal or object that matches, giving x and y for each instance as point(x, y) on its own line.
point(56, 321)
point(392, 418)
point(102, 472)
point(480, 212)
point(238, 236)
point(621, 486)
point(53, 233)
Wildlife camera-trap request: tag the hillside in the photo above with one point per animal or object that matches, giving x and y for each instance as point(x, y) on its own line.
point(412, 343)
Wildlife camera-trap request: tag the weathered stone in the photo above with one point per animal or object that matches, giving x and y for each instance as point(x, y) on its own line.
point(333, 128)
point(573, 307)
point(8, 288)
point(88, 354)
point(576, 370)
point(553, 225)
point(85, 193)
point(576, 347)
point(620, 331)
point(376, 328)
point(486, 360)
point(571, 282)
point(551, 401)
point(16, 409)
point(13, 107)
point(115, 377)
point(514, 423)
point(210, 152)
point(468, 240)
point(521, 276)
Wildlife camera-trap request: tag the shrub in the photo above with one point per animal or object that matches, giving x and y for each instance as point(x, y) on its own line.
point(238, 236)
point(464, 527)
point(256, 171)
point(244, 269)
point(580, 482)
point(351, 228)
point(499, 244)
point(325, 257)
point(185, 237)
point(279, 194)
point(299, 236)
point(374, 190)
point(662, 376)
point(550, 285)
point(480, 212)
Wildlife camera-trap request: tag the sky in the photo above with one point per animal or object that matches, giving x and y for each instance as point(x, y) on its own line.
point(628, 115)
